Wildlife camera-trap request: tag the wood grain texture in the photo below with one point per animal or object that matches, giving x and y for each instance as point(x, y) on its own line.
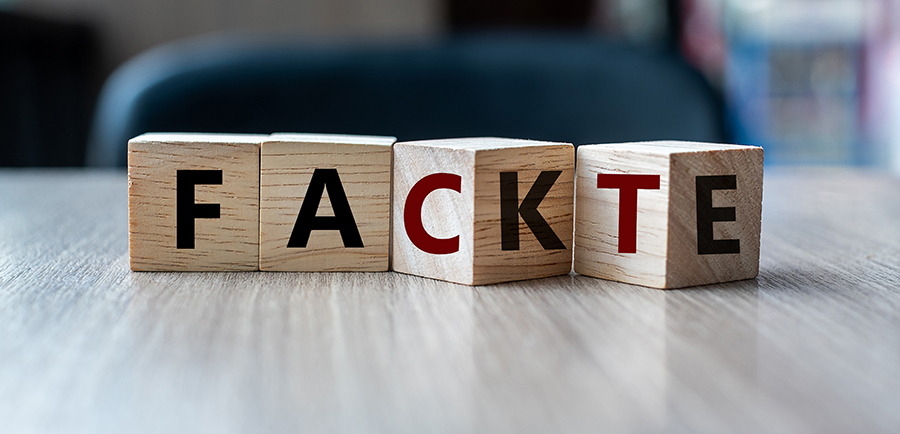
point(445, 213)
point(667, 242)
point(227, 243)
point(684, 267)
point(474, 213)
point(88, 346)
point(287, 164)
point(597, 217)
point(531, 261)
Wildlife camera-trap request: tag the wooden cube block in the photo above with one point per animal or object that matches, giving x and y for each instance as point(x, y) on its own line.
point(483, 210)
point(668, 214)
point(325, 203)
point(193, 202)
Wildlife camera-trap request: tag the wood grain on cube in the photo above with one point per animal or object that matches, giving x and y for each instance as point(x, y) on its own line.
point(667, 254)
point(474, 214)
point(532, 260)
point(597, 216)
point(445, 213)
point(287, 165)
point(227, 243)
point(684, 266)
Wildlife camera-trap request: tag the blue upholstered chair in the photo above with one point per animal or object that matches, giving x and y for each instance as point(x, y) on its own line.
point(568, 87)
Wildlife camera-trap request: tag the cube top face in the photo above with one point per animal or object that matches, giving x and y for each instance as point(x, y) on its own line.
point(665, 250)
point(668, 147)
point(325, 203)
point(198, 138)
point(491, 175)
point(335, 139)
point(193, 202)
point(483, 143)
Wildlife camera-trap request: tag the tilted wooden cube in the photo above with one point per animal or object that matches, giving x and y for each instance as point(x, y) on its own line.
point(193, 202)
point(325, 203)
point(668, 214)
point(483, 210)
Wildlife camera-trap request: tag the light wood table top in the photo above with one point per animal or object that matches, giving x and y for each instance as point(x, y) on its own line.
point(87, 346)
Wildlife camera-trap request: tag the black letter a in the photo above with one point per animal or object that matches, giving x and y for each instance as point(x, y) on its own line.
point(342, 219)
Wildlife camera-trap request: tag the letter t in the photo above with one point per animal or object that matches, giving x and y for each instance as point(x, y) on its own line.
point(628, 186)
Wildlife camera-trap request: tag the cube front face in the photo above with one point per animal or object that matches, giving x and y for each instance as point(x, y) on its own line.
point(728, 185)
point(441, 211)
point(597, 212)
point(678, 242)
point(538, 244)
point(193, 202)
point(325, 206)
point(507, 203)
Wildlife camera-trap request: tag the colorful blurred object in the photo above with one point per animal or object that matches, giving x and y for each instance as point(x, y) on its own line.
point(810, 81)
point(792, 75)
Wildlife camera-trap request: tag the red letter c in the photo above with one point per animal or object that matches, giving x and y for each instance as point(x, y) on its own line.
point(412, 213)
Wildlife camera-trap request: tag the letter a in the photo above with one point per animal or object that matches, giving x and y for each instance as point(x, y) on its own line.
point(307, 221)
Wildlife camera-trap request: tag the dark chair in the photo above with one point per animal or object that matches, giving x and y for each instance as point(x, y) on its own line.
point(49, 74)
point(573, 88)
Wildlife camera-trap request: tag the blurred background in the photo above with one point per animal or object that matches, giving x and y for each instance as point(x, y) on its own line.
point(812, 81)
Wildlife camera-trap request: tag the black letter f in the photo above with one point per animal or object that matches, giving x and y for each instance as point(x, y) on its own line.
point(186, 210)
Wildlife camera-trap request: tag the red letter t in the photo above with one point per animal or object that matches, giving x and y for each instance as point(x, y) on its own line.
point(628, 186)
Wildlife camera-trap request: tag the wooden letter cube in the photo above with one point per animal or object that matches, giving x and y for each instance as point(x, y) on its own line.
point(483, 210)
point(668, 214)
point(325, 203)
point(193, 202)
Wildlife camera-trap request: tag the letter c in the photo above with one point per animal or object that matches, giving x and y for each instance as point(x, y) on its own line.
point(412, 213)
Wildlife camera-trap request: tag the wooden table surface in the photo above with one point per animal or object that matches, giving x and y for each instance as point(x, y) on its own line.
point(87, 346)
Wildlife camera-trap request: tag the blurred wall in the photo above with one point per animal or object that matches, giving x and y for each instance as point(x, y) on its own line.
point(47, 98)
point(127, 27)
